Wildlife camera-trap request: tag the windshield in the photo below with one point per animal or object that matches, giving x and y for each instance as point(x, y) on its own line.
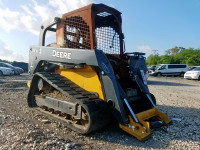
point(9, 65)
point(196, 69)
point(157, 67)
point(161, 67)
point(6, 65)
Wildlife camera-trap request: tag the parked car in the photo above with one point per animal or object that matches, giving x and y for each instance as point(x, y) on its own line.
point(151, 68)
point(22, 65)
point(170, 69)
point(193, 74)
point(6, 71)
point(17, 70)
point(192, 67)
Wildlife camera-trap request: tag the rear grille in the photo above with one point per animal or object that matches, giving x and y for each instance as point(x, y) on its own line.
point(76, 34)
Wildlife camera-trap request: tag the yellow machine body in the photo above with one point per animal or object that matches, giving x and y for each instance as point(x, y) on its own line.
point(85, 77)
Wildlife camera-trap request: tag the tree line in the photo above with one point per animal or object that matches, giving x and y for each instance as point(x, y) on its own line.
point(6, 61)
point(176, 55)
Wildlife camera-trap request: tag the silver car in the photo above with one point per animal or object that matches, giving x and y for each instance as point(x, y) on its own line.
point(6, 71)
point(17, 70)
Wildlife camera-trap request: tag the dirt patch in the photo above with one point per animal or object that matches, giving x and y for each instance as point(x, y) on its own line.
point(23, 128)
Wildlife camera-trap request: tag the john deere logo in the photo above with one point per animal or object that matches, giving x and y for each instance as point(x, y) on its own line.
point(63, 55)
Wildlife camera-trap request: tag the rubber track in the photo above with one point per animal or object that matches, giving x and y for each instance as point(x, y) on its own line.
point(96, 108)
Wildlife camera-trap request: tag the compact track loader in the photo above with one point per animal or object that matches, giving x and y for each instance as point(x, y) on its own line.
point(85, 77)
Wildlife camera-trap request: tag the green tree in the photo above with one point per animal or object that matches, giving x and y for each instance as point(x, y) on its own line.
point(174, 51)
point(153, 60)
point(189, 56)
point(6, 61)
point(176, 55)
point(167, 59)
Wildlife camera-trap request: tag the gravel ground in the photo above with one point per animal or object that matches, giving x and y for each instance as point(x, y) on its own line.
point(23, 128)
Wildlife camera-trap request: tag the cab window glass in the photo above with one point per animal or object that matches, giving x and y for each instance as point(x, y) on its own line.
point(163, 67)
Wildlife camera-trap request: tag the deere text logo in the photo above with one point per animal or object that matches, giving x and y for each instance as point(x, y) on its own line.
point(64, 55)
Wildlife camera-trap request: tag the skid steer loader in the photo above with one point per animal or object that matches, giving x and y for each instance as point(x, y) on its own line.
point(85, 76)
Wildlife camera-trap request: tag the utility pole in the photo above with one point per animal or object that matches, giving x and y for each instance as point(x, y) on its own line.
point(155, 52)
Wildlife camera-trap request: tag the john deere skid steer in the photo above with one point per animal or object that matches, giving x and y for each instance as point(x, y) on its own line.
point(85, 77)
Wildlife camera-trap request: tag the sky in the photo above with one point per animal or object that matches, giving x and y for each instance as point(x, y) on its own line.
point(148, 25)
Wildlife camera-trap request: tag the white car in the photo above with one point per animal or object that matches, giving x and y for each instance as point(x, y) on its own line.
point(193, 74)
point(6, 71)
